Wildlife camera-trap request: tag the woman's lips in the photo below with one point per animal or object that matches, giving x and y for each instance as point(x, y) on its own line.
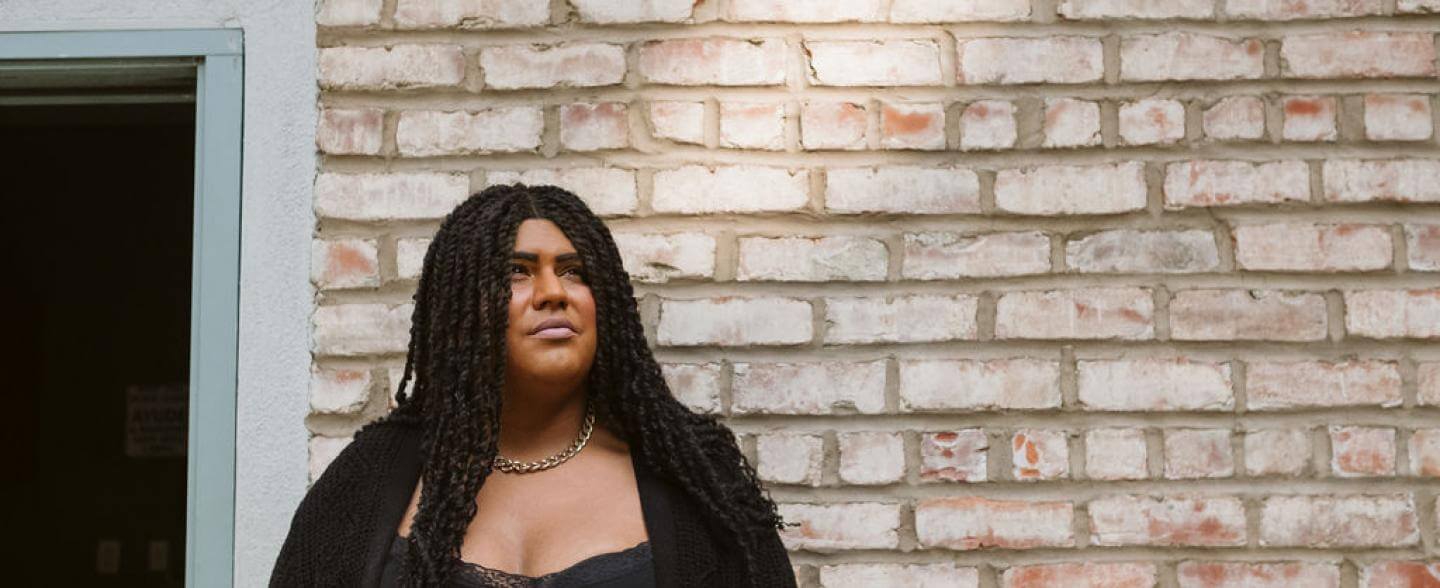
point(554, 333)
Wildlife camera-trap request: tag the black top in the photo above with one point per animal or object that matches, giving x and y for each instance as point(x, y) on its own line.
point(631, 567)
point(346, 524)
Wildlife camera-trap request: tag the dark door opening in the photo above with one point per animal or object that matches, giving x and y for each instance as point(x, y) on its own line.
point(99, 236)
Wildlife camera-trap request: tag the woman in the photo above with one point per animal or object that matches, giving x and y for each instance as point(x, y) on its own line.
point(540, 445)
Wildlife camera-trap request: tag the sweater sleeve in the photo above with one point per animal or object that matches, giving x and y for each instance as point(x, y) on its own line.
point(774, 561)
point(326, 543)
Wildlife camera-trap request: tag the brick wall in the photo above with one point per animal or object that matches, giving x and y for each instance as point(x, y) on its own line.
point(996, 292)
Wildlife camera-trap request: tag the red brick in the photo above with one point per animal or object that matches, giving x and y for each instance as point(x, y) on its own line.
point(1395, 180)
point(1194, 574)
point(1071, 123)
point(898, 62)
point(1283, 452)
point(809, 388)
point(1071, 189)
point(988, 124)
point(1155, 384)
point(1198, 453)
point(832, 125)
point(1358, 54)
point(752, 125)
point(1379, 520)
point(902, 189)
point(974, 523)
point(350, 131)
point(1401, 574)
point(1077, 575)
point(1233, 183)
point(1425, 453)
point(713, 61)
point(594, 126)
point(389, 68)
point(1362, 451)
point(1090, 313)
point(1398, 117)
point(1241, 315)
point(1272, 385)
point(1308, 118)
point(1027, 60)
point(1189, 56)
point(1313, 247)
point(954, 456)
point(1040, 455)
point(946, 256)
point(948, 384)
point(900, 319)
point(851, 525)
point(1167, 522)
point(1271, 10)
point(1387, 314)
point(1235, 118)
point(912, 126)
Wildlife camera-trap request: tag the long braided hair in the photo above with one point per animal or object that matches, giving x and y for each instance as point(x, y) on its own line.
point(456, 359)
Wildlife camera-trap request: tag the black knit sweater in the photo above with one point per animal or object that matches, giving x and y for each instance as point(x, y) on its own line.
point(343, 527)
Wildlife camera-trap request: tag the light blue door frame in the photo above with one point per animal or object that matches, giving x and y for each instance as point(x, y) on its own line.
point(215, 264)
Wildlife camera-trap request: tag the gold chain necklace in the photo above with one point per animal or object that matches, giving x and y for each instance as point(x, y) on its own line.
point(508, 465)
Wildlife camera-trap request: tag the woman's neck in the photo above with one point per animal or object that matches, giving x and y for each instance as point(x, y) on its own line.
point(537, 425)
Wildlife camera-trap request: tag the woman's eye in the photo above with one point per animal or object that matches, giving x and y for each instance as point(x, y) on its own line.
point(517, 266)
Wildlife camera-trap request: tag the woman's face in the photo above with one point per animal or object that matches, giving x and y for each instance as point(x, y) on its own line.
point(547, 286)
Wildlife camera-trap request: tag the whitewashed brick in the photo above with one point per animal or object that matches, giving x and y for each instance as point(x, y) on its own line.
point(471, 14)
point(696, 385)
point(696, 189)
point(1398, 117)
point(1154, 384)
point(966, 523)
point(1141, 9)
point(832, 125)
point(344, 131)
point(1358, 54)
point(1282, 10)
point(734, 321)
point(1132, 251)
point(1088, 313)
point(348, 13)
point(1189, 56)
point(1038, 454)
point(752, 125)
point(988, 124)
point(1396, 180)
point(410, 257)
point(1374, 520)
point(344, 263)
point(789, 458)
point(1198, 453)
point(871, 457)
point(1235, 118)
point(1249, 315)
point(588, 126)
point(954, 456)
point(1016, 60)
point(1282, 452)
point(1422, 245)
point(809, 388)
point(1080, 575)
point(972, 384)
point(802, 259)
point(899, 62)
point(501, 129)
point(361, 329)
point(1071, 189)
point(1197, 574)
point(339, 391)
point(902, 189)
point(1361, 452)
point(1169, 521)
point(944, 256)
point(1152, 121)
point(682, 122)
point(837, 526)
point(912, 126)
point(1309, 118)
point(1312, 247)
point(930, 11)
point(389, 196)
point(611, 12)
point(1071, 123)
point(577, 65)
point(1116, 454)
point(713, 61)
point(1382, 314)
point(660, 258)
point(607, 191)
point(788, 11)
point(1272, 385)
point(869, 575)
point(900, 319)
point(389, 68)
point(1229, 183)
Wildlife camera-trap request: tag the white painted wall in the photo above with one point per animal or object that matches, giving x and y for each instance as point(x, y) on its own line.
point(277, 220)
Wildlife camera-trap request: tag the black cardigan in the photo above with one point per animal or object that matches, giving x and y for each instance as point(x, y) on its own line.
point(342, 529)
